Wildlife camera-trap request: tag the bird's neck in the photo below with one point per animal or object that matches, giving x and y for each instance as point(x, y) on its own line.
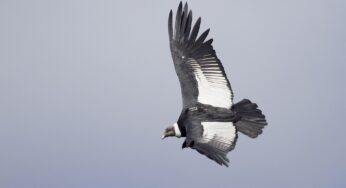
point(177, 130)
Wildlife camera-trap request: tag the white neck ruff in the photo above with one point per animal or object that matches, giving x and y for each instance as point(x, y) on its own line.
point(177, 130)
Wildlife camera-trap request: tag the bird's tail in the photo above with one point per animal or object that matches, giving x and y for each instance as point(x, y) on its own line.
point(251, 120)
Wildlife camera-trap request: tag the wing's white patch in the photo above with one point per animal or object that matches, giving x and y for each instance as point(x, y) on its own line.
point(223, 133)
point(213, 87)
point(177, 130)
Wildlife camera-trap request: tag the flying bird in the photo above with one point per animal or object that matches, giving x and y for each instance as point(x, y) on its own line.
point(209, 120)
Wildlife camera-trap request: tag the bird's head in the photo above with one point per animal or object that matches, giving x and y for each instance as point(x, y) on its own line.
point(172, 131)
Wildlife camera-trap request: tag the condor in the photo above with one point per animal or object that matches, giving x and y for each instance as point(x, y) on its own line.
point(209, 120)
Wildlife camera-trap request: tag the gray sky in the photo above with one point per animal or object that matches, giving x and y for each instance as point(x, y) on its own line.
point(87, 88)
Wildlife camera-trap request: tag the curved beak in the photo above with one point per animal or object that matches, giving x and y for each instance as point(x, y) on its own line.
point(163, 137)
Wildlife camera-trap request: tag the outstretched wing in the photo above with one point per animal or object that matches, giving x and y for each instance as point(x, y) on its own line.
point(201, 74)
point(213, 139)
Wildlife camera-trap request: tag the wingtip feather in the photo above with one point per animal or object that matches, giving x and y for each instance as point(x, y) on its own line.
point(195, 30)
point(186, 7)
point(170, 27)
point(203, 36)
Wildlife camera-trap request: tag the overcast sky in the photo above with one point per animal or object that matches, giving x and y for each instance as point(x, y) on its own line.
point(87, 88)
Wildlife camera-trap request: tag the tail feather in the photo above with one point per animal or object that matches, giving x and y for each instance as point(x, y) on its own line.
point(252, 121)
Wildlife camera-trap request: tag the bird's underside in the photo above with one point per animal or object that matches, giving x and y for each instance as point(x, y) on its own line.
point(209, 130)
point(209, 119)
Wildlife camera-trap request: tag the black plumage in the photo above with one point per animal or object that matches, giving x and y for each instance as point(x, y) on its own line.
point(209, 119)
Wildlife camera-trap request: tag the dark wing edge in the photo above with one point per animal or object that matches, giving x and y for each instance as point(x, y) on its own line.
point(212, 153)
point(183, 41)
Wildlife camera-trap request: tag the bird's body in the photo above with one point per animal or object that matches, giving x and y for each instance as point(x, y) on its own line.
point(209, 120)
point(203, 113)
